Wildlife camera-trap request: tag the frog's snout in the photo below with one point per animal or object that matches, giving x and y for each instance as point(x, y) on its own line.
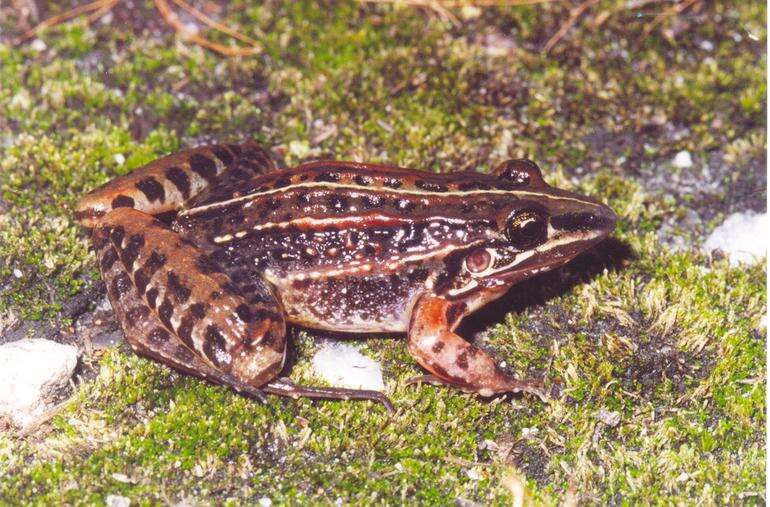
point(599, 220)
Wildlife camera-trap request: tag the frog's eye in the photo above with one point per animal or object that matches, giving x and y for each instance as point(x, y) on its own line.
point(520, 172)
point(527, 228)
point(478, 261)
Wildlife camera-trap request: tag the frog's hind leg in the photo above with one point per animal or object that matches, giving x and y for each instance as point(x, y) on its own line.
point(177, 307)
point(165, 185)
point(452, 360)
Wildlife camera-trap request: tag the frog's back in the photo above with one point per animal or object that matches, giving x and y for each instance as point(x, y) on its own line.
point(348, 246)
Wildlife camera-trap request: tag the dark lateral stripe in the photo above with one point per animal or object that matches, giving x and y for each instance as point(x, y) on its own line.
point(203, 167)
point(179, 178)
point(151, 189)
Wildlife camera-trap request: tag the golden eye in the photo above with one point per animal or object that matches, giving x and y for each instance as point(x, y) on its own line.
point(526, 229)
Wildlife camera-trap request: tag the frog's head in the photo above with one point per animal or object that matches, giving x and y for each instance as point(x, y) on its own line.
point(539, 228)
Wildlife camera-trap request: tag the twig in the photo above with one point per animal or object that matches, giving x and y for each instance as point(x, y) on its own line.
point(461, 3)
point(574, 16)
point(172, 19)
point(216, 25)
point(97, 5)
point(671, 11)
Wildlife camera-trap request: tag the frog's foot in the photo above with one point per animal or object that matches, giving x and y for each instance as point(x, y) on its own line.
point(285, 387)
point(175, 306)
point(450, 359)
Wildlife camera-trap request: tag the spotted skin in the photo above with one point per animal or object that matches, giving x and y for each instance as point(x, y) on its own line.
point(209, 253)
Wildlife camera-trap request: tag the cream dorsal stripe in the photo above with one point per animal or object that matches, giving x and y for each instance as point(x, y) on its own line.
point(396, 191)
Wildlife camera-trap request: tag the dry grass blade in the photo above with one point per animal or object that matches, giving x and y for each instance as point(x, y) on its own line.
point(573, 17)
point(448, 4)
point(98, 6)
point(216, 25)
point(675, 9)
point(170, 17)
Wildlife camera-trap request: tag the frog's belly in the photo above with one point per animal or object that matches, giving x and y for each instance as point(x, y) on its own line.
point(364, 304)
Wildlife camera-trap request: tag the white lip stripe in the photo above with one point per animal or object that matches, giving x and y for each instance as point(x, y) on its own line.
point(321, 185)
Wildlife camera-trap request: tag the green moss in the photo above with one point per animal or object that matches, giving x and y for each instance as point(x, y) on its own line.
point(665, 343)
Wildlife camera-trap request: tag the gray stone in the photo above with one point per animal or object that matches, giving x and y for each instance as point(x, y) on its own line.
point(31, 370)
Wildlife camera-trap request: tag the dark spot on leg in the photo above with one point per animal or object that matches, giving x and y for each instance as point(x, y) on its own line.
point(203, 167)
point(244, 313)
point(117, 234)
point(120, 285)
point(198, 310)
point(165, 311)
point(214, 346)
point(108, 259)
point(454, 312)
point(122, 201)
point(154, 263)
point(141, 280)
point(137, 313)
point(179, 178)
point(152, 296)
point(184, 331)
point(223, 154)
point(129, 254)
point(151, 189)
point(206, 266)
point(177, 288)
point(462, 361)
point(437, 347)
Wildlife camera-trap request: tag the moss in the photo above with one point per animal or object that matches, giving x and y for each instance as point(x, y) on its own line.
point(655, 357)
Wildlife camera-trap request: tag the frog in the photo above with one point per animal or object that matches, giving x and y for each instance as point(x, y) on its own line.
point(210, 254)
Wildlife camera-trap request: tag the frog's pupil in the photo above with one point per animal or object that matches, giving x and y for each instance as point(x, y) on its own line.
point(526, 229)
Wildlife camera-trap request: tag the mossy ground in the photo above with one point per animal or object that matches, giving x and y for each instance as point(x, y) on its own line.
point(658, 354)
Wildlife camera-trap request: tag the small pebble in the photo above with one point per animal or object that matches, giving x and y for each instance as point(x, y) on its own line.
point(117, 501)
point(741, 237)
point(682, 160)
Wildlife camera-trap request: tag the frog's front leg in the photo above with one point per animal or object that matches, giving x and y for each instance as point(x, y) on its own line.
point(452, 360)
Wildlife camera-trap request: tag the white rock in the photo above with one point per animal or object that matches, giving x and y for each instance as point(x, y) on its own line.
point(38, 45)
point(117, 501)
point(30, 370)
point(265, 502)
point(742, 237)
point(682, 160)
point(342, 365)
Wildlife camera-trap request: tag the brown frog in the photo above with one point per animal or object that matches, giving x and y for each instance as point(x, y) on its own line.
point(209, 253)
